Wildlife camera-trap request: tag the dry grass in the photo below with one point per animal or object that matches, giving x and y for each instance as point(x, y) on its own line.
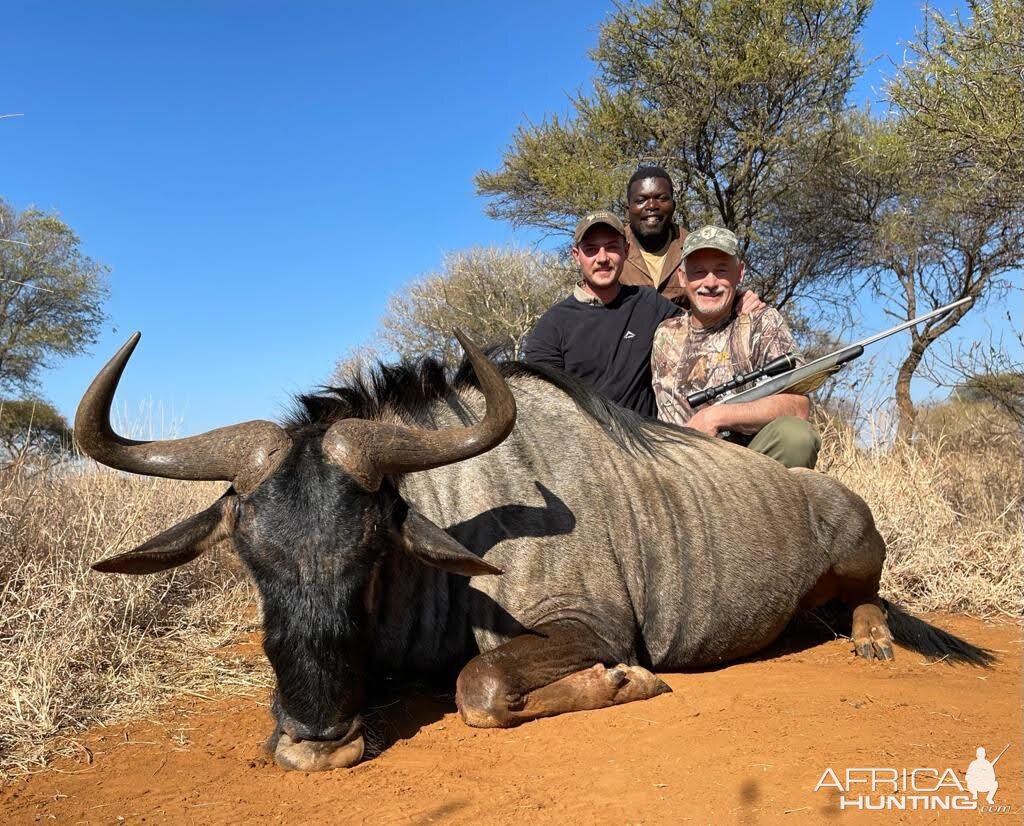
point(949, 507)
point(82, 649)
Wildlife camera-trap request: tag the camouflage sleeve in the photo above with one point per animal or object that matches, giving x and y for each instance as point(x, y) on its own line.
point(658, 365)
point(658, 354)
point(771, 338)
point(665, 355)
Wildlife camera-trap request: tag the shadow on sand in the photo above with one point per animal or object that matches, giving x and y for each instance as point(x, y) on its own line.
point(401, 715)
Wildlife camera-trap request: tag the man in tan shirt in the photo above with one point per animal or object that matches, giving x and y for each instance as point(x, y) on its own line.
point(655, 240)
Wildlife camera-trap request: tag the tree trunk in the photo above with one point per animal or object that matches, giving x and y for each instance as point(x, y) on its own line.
point(904, 404)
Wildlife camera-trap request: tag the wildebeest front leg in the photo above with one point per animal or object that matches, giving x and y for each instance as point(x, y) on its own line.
point(559, 667)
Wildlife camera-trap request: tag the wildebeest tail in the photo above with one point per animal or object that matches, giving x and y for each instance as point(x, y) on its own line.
point(919, 636)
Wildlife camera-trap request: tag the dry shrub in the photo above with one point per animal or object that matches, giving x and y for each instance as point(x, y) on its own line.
point(82, 648)
point(948, 506)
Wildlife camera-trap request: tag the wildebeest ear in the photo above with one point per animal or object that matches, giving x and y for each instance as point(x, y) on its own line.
point(177, 545)
point(428, 543)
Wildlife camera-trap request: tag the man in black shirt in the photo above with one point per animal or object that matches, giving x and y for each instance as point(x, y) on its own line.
point(603, 332)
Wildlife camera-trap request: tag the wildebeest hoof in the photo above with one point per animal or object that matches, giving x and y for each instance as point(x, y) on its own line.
point(877, 645)
point(872, 638)
point(637, 683)
point(616, 676)
point(627, 683)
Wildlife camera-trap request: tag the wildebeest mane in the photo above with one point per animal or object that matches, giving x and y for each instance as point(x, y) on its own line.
point(412, 389)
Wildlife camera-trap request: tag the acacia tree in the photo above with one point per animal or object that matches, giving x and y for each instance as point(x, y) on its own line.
point(932, 249)
point(51, 295)
point(1004, 391)
point(32, 427)
point(494, 295)
point(961, 97)
point(738, 99)
point(989, 372)
point(936, 222)
point(922, 243)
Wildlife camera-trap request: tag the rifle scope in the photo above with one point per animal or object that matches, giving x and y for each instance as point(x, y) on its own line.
point(773, 368)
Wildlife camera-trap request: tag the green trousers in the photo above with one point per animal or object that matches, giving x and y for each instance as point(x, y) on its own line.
point(788, 440)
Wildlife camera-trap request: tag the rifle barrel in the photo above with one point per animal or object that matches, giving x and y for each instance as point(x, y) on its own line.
point(831, 361)
point(900, 327)
point(779, 384)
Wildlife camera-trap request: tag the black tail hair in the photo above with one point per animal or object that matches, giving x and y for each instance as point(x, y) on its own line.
point(919, 636)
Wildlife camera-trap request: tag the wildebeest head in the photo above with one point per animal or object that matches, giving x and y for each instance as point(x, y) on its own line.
point(312, 516)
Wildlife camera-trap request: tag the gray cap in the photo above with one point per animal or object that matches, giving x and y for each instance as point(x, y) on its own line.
point(602, 216)
point(709, 237)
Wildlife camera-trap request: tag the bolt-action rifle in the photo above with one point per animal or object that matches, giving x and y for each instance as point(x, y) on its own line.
point(785, 377)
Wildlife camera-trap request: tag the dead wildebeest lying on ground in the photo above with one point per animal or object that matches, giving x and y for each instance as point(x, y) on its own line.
point(626, 545)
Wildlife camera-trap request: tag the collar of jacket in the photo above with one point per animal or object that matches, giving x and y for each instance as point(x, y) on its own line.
point(672, 257)
point(743, 322)
point(582, 296)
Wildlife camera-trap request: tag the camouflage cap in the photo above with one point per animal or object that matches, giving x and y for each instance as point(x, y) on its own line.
point(593, 219)
point(710, 237)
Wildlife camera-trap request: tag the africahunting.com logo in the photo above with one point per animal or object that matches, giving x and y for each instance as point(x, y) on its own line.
point(923, 788)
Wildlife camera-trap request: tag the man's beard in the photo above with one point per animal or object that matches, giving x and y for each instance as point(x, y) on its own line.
point(713, 306)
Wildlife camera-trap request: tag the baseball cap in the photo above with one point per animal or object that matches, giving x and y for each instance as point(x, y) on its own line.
point(593, 219)
point(711, 237)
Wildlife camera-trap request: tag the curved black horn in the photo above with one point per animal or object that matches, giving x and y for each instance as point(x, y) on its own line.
point(244, 453)
point(370, 450)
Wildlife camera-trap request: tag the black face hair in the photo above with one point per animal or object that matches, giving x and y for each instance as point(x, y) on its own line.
point(311, 574)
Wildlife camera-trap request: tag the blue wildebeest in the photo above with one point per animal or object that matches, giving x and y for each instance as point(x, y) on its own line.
point(376, 522)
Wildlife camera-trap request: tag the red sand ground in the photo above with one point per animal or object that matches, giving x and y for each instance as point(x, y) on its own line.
point(745, 744)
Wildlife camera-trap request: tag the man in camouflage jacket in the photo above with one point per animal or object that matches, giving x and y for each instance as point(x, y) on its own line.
point(711, 343)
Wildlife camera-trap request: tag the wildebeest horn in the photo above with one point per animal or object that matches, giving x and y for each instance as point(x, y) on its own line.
point(370, 450)
point(244, 454)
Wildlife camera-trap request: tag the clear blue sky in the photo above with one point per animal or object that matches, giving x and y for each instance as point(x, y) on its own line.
point(240, 167)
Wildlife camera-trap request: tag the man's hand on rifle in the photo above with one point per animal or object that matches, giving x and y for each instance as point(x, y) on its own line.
point(749, 417)
point(707, 421)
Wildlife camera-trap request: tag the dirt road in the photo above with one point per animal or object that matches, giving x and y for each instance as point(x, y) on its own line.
point(746, 744)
